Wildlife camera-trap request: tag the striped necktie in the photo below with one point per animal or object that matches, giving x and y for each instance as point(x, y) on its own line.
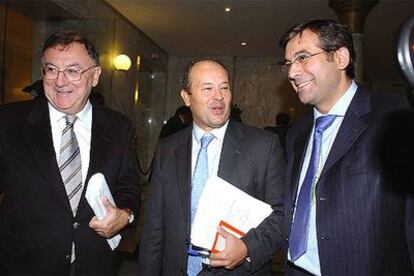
point(70, 167)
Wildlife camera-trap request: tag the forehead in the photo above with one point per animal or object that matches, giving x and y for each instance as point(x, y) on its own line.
point(74, 52)
point(207, 69)
point(302, 42)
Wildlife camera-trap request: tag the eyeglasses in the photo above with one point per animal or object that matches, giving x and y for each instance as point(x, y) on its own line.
point(50, 72)
point(302, 59)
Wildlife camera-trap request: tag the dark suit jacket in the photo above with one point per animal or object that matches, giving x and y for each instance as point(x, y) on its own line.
point(251, 159)
point(36, 223)
point(363, 217)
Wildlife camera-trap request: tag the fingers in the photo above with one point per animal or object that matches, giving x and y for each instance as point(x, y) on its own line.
point(235, 251)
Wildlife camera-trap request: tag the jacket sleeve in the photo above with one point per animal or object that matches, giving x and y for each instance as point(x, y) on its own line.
point(151, 244)
point(263, 241)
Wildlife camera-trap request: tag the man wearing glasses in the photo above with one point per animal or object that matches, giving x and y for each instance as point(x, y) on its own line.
point(344, 215)
point(49, 149)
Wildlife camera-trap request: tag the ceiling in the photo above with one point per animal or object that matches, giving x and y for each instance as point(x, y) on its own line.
point(202, 27)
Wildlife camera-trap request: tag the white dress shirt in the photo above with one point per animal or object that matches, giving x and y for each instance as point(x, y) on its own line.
point(82, 129)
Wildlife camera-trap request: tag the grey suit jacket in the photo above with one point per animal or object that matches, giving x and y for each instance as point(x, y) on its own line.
point(251, 159)
point(364, 219)
point(36, 223)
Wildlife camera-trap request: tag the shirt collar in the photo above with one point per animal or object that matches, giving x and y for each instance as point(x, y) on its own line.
point(218, 133)
point(83, 115)
point(341, 106)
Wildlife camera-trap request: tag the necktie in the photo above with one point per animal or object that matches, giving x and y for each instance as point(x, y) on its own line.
point(299, 233)
point(70, 168)
point(199, 180)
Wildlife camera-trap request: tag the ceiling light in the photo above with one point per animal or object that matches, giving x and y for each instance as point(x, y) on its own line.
point(243, 43)
point(228, 9)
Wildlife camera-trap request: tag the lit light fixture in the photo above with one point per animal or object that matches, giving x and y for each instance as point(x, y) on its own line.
point(227, 9)
point(243, 44)
point(122, 62)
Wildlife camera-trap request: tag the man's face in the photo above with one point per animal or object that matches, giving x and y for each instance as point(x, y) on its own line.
point(318, 79)
point(209, 95)
point(67, 96)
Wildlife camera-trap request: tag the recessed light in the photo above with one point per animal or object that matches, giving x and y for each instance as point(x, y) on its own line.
point(243, 43)
point(228, 9)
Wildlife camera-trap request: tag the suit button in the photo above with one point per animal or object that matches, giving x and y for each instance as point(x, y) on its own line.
point(67, 257)
point(324, 238)
point(323, 199)
point(75, 225)
point(182, 272)
point(187, 243)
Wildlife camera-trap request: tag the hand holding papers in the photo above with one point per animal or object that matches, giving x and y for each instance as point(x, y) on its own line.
point(96, 190)
point(223, 204)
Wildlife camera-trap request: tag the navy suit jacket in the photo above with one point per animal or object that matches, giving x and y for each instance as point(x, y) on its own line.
point(251, 159)
point(36, 223)
point(364, 218)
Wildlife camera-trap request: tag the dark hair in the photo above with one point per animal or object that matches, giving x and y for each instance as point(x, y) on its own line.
point(185, 76)
point(332, 36)
point(66, 37)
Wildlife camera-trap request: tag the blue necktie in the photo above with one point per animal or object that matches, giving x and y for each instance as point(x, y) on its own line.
point(199, 180)
point(298, 238)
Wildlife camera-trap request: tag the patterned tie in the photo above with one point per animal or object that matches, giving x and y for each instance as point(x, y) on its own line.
point(298, 238)
point(199, 180)
point(71, 168)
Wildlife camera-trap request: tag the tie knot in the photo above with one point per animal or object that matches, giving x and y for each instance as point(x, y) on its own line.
point(206, 139)
point(324, 122)
point(70, 120)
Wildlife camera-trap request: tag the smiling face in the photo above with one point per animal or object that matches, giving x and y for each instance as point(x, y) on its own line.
point(208, 95)
point(322, 80)
point(65, 96)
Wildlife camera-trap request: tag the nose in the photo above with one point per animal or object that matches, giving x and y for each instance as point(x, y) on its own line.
point(217, 94)
point(294, 71)
point(61, 79)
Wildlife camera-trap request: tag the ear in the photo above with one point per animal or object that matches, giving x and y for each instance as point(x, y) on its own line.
point(186, 97)
point(342, 58)
point(96, 75)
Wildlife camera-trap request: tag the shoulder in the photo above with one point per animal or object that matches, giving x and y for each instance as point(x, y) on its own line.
point(108, 115)
point(249, 134)
point(17, 112)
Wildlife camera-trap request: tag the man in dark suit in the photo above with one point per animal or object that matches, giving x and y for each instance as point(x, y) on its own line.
point(47, 228)
point(343, 214)
point(249, 158)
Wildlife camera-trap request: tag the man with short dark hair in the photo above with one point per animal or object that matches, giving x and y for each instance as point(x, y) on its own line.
point(343, 214)
point(49, 149)
point(248, 158)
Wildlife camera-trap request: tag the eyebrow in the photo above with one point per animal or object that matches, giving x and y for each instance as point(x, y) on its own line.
point(70, 65)
point(297, 54)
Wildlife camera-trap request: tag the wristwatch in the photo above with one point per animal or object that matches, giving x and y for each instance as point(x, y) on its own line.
point(130, 215)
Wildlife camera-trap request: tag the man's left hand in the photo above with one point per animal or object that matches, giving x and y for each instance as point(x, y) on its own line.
point(234, 253)
point(114, 221)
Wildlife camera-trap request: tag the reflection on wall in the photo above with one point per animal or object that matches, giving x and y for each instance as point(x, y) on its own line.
point(17, 46)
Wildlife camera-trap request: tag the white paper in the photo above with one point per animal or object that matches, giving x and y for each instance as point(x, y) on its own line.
point(221, 202)
point(98, 188)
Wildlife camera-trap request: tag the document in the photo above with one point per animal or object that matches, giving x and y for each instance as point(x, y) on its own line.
point(96, 190)
point(223, 204)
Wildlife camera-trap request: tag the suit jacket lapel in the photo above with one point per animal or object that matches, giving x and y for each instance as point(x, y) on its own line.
point(183, 170)
point(299, 154)
point(351, 128)
point(40, 141)
point(99, 145)
point(230, 153)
